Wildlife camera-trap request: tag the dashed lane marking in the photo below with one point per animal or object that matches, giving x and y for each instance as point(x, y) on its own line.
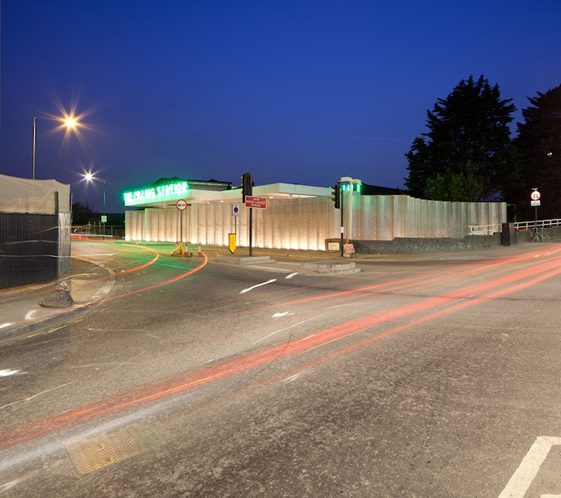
point(243, 291)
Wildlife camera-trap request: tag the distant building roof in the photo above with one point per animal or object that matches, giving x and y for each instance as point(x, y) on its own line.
point(195, 184)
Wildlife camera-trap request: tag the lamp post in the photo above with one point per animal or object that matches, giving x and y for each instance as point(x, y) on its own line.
point(68, 121)
point(90, 177)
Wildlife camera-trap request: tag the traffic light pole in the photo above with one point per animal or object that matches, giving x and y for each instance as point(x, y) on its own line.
point(247, 189)
point(342, 220)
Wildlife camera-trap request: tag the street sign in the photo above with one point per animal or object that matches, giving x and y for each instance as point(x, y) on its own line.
point(232, 242)
point(535, 195)
point(181, 204)
point(348, 250)
point(255, 202)
point(103, 218)
point(535, 203)
point(235, 209)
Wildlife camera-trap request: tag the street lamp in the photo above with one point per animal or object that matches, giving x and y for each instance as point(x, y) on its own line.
point(70, 122)
point(90, 177)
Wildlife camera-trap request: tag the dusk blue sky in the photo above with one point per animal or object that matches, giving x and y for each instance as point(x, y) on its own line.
point(297, 92)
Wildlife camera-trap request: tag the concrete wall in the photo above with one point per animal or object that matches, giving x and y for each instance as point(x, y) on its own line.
point(305, 223)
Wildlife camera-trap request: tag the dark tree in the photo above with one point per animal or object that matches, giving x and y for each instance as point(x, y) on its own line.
point(466, 152)
point(538, 147)
point(81, 214)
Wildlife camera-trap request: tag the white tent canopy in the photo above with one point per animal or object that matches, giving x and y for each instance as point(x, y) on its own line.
point(22, 195)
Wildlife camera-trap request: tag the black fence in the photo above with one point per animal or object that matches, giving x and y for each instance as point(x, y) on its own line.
point(28, 248)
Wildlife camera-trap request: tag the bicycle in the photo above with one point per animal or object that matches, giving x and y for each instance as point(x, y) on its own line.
point(540, 234)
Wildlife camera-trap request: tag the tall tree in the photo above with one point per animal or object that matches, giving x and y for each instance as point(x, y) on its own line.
point(81, 214)
point(538, 147)
point(466, 152)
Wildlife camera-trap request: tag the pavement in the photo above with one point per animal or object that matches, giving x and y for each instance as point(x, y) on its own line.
point(90, 280)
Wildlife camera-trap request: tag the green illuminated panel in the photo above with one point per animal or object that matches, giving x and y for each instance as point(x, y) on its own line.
point(346, 187)
point(161, 193)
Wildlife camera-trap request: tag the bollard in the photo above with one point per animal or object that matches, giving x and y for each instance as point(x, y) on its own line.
point(60, 298)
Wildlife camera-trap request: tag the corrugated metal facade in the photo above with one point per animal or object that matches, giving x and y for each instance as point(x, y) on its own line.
point(301, 223)
point(29, 245)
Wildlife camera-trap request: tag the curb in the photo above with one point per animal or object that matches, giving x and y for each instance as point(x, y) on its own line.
point(243, 260)
point(333, 268)
point(64, 313)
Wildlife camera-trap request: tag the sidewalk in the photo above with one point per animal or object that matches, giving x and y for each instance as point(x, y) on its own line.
point(20, 308)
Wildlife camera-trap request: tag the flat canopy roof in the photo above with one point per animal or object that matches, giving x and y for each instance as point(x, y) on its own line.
point(166, 193)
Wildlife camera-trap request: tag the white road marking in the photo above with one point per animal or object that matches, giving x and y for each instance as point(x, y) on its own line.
point(7, 372)
point(280, 315)
point(529, 467)
point(550, 496)
point(258, 285)
point(292, 378)
point(29, 315)
point(285, 328)
point(9, 485)
point(29, 398)
point(291, 275)
point(7, 324)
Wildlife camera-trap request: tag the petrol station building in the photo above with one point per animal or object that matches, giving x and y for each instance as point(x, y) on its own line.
point(295, 217)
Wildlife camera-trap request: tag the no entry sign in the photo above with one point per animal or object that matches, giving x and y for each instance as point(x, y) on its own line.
point(181, 204)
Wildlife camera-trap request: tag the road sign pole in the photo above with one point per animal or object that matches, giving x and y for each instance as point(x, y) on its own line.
point(535, 197)
point(251, 231)
point(536, 216)
point(181, 225)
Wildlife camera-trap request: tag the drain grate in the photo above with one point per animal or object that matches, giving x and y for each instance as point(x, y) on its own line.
point(106, 449)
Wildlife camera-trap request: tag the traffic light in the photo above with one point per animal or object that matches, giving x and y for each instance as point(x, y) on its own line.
point(336, 195)
point(247, 185)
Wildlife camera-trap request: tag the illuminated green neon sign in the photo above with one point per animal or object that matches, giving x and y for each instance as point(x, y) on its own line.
point(356, 187)
point(161, 193)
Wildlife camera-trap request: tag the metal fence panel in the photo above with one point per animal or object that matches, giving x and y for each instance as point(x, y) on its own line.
point(28, 248)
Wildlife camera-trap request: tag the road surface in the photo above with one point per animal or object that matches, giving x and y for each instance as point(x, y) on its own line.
point(417, 377)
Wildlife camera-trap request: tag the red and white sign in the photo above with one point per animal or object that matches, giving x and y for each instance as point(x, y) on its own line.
point(535, 195)
point(181, 204)
point(255, 202)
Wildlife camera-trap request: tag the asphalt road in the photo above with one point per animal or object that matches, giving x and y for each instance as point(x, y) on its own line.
point(417, 377)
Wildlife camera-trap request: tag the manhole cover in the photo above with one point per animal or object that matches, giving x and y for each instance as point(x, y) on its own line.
point(106, 449)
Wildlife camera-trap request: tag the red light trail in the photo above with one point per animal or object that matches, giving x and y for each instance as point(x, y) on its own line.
point(435, 307)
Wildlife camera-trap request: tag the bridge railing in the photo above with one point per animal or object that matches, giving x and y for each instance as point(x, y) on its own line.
point(529, 225)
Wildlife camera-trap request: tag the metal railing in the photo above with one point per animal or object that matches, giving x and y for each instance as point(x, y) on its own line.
point(97, 230)
point(484, 229)
point(518, 225)
point(529, 225)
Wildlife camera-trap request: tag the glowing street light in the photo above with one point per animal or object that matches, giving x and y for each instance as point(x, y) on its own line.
point(90, 177)
point(69, 122)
